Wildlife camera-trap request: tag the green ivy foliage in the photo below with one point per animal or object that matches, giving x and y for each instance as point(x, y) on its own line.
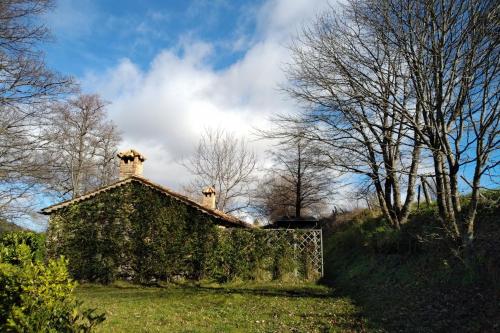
point(37, 296)
point(135, 232)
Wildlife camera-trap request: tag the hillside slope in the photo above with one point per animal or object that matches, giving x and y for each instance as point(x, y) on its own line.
point(412, 280)
point(7, 226)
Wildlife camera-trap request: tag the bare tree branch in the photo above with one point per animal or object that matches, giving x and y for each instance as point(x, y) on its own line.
point(226, 162)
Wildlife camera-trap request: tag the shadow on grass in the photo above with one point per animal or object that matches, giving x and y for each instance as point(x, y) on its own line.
point(262, 291)
point(175, 288)
point(412, 297)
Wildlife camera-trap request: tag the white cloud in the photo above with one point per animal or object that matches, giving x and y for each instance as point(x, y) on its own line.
point(280, 19)
point(162, 110)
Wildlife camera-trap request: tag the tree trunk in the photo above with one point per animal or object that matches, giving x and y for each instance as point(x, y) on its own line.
point(383, 204)
point(444, 194)
point(426, 191)
point(455, 195)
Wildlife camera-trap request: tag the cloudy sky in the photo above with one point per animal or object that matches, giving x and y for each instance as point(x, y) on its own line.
point(172, 68)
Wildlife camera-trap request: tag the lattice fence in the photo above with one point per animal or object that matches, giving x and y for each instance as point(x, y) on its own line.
point(307, 247)
point(305, 244)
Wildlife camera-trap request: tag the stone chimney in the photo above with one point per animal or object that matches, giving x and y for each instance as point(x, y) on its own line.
point(209, 197)
point(130, 163)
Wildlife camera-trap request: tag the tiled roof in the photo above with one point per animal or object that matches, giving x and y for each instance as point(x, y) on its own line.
point(227, 219)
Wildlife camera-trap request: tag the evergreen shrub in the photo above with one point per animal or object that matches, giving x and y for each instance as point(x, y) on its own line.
point(36, 296)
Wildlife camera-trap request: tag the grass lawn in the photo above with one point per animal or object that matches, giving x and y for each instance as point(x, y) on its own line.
point(222, 308)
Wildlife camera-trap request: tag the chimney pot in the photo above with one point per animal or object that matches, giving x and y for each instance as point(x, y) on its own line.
point(209, 196)
point(131, 163)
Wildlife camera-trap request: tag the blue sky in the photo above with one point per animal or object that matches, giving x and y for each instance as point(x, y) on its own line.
point(170, 69)
point(93, 35)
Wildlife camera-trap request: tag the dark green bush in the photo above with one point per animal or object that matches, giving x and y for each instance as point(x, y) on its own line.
point(384, 239)
point(255, 255)
point(37, 296)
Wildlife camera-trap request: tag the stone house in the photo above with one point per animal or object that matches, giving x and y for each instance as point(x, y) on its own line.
point(135, 228)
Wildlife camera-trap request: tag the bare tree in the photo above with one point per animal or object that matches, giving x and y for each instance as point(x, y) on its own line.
point(25, 80)
point(273, 198)
point(26, 86)
point(452, 54)
point(297, 181)
point(386, 79)
point(226, 162)
point(365, 193)
point(83, 146)
point(350, 80)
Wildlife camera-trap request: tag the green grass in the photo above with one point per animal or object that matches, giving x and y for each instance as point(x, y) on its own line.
point(412, 280)
point(406, 281)
point(222, 308)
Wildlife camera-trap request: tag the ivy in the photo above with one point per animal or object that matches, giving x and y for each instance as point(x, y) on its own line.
point(135, 232)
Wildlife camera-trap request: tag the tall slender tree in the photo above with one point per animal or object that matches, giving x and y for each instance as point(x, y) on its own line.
point(298, 180)
point(452, 54)
point(350, 80)
point(387, 79)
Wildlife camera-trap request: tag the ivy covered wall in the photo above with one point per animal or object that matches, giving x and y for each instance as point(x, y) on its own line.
point(136, 232)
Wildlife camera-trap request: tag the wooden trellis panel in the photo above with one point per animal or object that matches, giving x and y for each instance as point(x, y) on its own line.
point(306, 243)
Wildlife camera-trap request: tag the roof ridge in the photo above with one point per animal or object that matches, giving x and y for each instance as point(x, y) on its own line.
point(213, 212)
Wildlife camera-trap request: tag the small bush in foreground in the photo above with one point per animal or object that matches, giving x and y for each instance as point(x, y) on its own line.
point(37, 296)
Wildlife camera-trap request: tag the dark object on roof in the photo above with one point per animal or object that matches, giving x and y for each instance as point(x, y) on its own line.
point(303, 222)
point(223, 218)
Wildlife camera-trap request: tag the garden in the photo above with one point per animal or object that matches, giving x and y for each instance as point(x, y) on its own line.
point(376, 280)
